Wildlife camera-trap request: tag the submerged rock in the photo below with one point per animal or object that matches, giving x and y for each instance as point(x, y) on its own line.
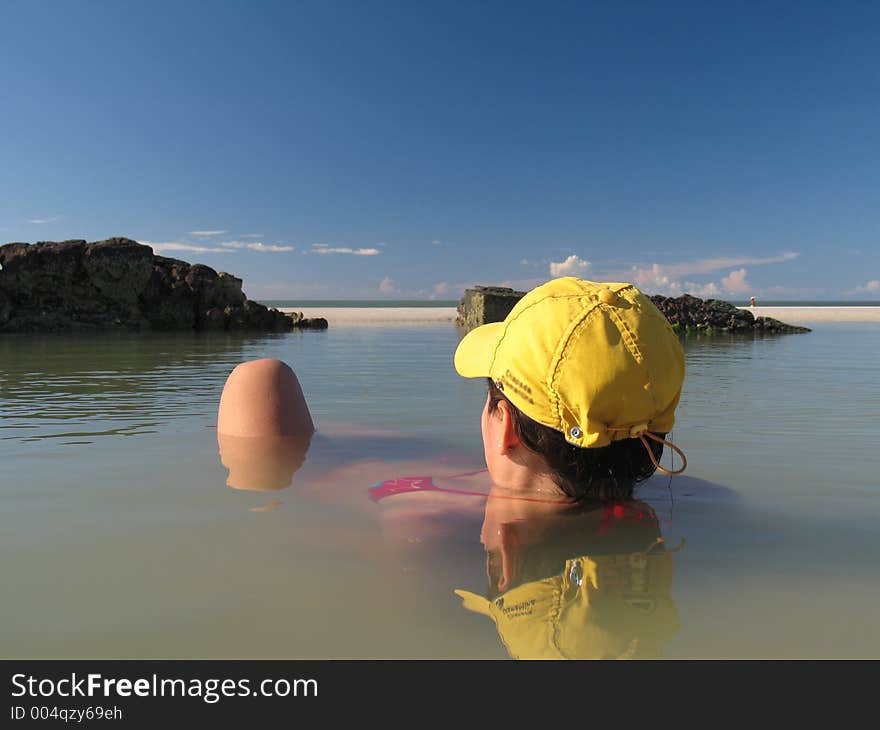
point(686, 313)
point(122, 284)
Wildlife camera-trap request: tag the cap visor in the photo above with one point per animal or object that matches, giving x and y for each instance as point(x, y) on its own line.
point(476, 351)
point(473, 602)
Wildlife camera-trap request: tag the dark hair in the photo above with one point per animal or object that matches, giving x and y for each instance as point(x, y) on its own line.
point(608, 473)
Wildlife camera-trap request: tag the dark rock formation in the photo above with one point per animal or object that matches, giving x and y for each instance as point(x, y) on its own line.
point(484, 304)
point(690, 314)
point(315, 323)
point(121, 284)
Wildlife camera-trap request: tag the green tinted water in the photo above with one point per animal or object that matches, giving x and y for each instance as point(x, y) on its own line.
point(120, 537)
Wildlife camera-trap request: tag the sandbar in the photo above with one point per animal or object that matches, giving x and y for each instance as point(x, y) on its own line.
point(378, 315)
point(799, 315)
point(439, 315)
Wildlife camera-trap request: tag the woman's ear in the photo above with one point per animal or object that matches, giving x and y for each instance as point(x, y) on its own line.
point(507, 435)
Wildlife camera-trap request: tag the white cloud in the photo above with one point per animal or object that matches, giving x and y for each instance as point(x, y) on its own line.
point(437, 243)
point(710, 265)
point(667, 278)
point(178, 246)
point(386, 286)
point(206, 233)
point(871, 287)
point(269, 247)
point(251, 235)
point(705, 291)
point(256, 246)
point(41, 221)
point(328, 249)
point(653, 280)
point(572, 266)
point(735, 282)
point(441, 287)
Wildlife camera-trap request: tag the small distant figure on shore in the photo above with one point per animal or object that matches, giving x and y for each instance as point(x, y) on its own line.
point(751, 301)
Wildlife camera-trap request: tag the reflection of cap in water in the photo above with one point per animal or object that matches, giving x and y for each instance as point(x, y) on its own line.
point(604, 607)
point(585, 585)
point(262, 464)
point(598, 362)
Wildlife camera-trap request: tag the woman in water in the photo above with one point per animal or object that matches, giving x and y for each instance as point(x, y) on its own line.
point(583, 382)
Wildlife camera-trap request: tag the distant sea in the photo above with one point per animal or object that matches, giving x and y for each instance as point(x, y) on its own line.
point(454, 302)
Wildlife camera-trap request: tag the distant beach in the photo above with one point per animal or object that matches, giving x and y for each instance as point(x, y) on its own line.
point(378, 315)
point(805, 314)
point(383, 312)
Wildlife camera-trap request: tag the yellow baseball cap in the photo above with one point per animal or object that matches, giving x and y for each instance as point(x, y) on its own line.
point(602, 607)
point(597, 361)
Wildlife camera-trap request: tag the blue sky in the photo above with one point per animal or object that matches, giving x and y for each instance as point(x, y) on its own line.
point(407, 150)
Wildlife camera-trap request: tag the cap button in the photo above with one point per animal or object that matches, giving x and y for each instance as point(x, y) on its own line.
point(606, 296)
point(576, 574)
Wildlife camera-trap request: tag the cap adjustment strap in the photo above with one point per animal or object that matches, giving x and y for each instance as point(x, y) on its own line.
point(641, 432)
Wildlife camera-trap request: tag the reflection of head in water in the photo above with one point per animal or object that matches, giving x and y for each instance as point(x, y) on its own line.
point(264, 427)
point(576, 583)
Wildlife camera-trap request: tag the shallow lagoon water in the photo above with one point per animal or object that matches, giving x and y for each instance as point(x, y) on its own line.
point(120, 537)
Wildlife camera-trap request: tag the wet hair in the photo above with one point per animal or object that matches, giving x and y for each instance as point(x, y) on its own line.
point(607, 473)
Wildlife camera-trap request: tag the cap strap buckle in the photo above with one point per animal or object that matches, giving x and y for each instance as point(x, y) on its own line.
point(641, 432)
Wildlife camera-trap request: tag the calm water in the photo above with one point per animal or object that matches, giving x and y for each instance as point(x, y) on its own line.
point(120, 537)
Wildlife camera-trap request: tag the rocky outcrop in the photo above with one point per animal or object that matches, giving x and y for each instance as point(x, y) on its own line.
point(686, 313)
point(121, 284)
point(483, 304)
point(691, 314)
point(303, 323)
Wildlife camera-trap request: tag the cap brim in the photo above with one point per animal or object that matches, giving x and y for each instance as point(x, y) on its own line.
point(475, 603)
point(476, 351)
